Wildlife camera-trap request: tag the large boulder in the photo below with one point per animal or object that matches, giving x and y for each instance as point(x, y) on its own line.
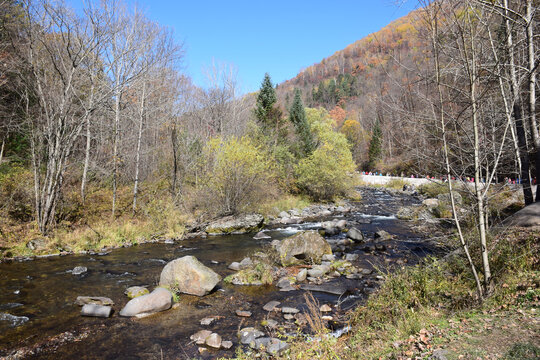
point(236, 224)
point(158, 300)
point(430, 203)
point(188, 275)
point(529, 216)
point(306, 246)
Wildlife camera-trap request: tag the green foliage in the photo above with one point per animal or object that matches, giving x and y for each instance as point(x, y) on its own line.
point(375, 145)
point(297, 116)
point(236, 175)
point(265, 103)
point(334, 90)
point(327, 172)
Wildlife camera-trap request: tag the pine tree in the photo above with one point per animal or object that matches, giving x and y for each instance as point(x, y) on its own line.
point(375, 145)
point(297, 116)
point(265, 103)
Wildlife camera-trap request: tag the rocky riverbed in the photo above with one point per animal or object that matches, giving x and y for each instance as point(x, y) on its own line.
point(39, 316)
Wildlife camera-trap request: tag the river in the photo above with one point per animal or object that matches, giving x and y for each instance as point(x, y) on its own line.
point(38, 317)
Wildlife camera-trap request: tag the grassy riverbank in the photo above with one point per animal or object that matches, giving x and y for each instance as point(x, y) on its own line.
point(432, 310)
point(88, 226)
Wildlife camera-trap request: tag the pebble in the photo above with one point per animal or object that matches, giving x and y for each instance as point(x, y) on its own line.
point(270, 306)
point(200, 336)
point(214, 341)
point(207, 320)
point(226, 344)
point(289, 310)
point(302, 275)
point(325, 308)
point(243, 313)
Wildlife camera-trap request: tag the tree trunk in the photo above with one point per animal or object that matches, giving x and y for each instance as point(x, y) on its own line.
point(517, 111)
point(115, 149)
point(174, 143)
point(532, 92)
point(2, 150)
point(138, 155)
point(86, 160)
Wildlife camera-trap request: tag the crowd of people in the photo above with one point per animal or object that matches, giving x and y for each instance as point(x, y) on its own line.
point(506, 180)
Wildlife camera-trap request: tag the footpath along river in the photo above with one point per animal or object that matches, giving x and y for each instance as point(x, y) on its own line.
point(38, 317)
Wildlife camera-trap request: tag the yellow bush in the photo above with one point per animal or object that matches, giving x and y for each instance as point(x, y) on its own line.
point(237, 175)
point(328, 171)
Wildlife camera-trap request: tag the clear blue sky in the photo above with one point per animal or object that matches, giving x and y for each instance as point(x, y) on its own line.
point(279, 37)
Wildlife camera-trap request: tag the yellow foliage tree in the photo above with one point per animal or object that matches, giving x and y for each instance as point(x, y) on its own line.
point(237, 174)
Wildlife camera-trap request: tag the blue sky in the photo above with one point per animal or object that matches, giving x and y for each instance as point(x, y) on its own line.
point(278, 37)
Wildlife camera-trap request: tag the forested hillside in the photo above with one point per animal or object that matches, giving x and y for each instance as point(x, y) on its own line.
point(389, 78)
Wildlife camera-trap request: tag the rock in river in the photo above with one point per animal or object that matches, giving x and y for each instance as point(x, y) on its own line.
point(78, 270)
point(96, 300)
point(355, 234)
point(236, 224)
point(158, 300)
point(96, 310)
point(307, 246)
point(188, 275)
point(135, 291)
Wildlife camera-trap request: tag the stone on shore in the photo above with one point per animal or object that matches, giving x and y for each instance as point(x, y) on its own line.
point(189, 276)
point(305, 246)
point(236, 224)
point(158, 300)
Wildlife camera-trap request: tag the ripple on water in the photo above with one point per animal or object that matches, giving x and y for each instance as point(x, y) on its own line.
point(10, 306)
point(13, 320)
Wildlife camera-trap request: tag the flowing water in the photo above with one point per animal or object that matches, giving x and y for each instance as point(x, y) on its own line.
point(38, 314)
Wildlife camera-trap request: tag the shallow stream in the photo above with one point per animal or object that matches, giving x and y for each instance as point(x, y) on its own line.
point(38, 315)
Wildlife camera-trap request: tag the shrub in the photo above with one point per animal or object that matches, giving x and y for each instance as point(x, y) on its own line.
point(236, 175)
point(327, 172)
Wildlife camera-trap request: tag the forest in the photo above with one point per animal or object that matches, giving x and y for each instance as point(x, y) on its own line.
point(104, 138)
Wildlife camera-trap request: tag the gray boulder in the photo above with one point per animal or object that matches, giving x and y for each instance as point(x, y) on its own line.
point(236, 224)
point(305, 246)
point(355, 234)
point(38, 244)
point(158, 300)
point(529, 216)
point(189, 276)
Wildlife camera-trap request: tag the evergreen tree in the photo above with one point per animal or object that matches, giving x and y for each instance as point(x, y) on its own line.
point(297, 116)
point(265, 104)
point(375, 145)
